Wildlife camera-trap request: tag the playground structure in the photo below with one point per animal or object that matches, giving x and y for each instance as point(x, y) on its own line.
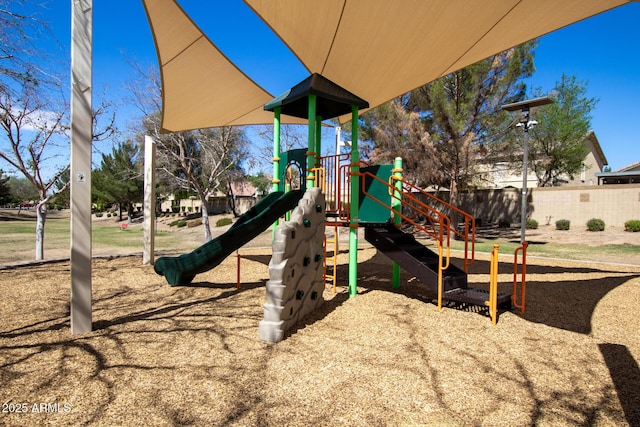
point(346, 193)
point(377, 198)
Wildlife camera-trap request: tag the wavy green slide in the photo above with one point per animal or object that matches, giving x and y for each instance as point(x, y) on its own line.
point(182, 269)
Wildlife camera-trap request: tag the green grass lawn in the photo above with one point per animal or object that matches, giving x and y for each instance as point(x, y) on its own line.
point(18, 238)
point(553, 250)
point(18, 242)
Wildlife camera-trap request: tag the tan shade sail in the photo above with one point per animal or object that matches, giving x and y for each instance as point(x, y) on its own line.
point(380, 49)
point(376, 49)
point(201, 88)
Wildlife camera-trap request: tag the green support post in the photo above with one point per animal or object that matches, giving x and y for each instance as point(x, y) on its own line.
point(355, 199)
point(276, 156)
point(311, 144)
point(396, 204)
point(276, 149)
point(318, 149)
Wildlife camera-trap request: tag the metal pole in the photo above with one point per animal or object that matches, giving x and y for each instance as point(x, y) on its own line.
point(275, 181)
point(311, 143)
point(149, 229)
point(81, 137)
point(396, 204)
point(525, 167)
point(354, 202)
point(276, 150)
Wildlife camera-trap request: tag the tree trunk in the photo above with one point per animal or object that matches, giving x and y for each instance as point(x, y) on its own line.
point(41, 217)
point(205, 221)
point(232, 201)
point(454, 216)
point(129, 212)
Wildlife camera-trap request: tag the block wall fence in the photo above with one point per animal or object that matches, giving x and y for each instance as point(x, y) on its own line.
point(614, 204)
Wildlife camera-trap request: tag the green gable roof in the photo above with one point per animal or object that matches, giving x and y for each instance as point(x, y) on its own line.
point(332, 100)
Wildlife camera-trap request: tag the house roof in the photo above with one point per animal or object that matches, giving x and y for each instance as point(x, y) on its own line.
point(633, 167)
point(591, 135)
point(378, 49)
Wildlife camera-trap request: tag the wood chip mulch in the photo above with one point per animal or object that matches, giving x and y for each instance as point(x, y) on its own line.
point(162, 355)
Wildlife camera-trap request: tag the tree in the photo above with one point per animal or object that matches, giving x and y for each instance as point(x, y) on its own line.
point(261, 182)
point(119, 178)
point(17, 52)
point(557, 142)
point(34, 113)
point(398, 132)
point(204, 161)
point(456, 119)
point(5, 190)
point(31, 129)
point(291, 137)
point(22, 190)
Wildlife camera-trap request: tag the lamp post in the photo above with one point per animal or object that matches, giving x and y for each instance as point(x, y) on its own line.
point(525, 123)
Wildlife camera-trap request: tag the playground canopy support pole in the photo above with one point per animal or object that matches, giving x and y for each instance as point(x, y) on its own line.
point(355, 200)
point(81, 137)
point(311, 144)
point(149, 230)
point(396, 202)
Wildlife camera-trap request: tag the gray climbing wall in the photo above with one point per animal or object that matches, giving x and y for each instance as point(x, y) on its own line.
point(296, 283)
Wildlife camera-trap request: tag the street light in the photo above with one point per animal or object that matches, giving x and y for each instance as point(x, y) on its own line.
point(525, 123)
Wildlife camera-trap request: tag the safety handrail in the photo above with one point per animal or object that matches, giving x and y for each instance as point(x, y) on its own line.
point(434, 217)
point(469, 233)
point(523, 278)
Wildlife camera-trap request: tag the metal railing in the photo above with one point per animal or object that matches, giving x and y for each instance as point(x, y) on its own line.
point(523, 277)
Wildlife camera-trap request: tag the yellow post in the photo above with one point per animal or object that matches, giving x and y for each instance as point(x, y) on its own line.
point(493, 286)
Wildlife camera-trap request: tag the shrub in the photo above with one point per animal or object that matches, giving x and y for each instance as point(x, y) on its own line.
point(181, 223)
point(194, 223)
point(175, 209)
point(632, 225)
point(504, 224)
point(563, 224)
point(531, 224)
point(595, 224)
point(223, 221)
point(99, 214)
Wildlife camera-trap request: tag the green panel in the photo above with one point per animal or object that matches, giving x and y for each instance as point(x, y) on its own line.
point(370, 210)
point(298, 156)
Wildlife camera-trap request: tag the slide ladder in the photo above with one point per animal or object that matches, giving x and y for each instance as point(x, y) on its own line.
point(331, 261)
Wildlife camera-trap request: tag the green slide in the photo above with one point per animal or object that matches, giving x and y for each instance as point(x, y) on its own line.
point(182, 269)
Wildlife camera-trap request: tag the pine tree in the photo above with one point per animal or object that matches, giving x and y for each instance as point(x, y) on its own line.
point(444, 128)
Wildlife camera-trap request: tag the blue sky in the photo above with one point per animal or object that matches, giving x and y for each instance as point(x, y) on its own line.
point(603, 50)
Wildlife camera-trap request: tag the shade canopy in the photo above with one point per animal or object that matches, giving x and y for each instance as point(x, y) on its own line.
point(377, 49)
point(332, 100)
point(201, 87)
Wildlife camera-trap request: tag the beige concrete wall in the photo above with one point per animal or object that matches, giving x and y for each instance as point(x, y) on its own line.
point(614, 204)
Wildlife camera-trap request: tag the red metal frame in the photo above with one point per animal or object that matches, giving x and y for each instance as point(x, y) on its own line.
point(523, 278)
